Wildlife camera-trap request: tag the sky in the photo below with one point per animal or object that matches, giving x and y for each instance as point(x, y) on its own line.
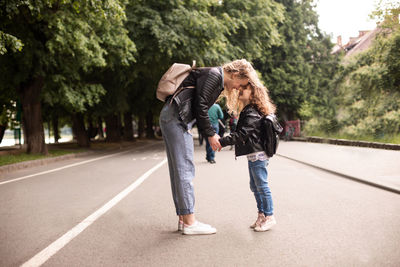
point(345, 17)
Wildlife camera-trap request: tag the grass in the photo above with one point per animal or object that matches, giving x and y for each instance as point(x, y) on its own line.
point(390, 139)
point(15, 156)
point(20, 157)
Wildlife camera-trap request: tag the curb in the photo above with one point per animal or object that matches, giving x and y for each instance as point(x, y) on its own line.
point(345, 142)
point(353, 178)
point(39, 162)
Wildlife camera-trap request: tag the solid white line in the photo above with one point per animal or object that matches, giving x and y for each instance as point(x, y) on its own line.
point(54, 247)
point(67, 166)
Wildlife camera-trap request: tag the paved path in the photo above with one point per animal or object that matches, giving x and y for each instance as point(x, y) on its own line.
point(322, 220)
point(375, 165)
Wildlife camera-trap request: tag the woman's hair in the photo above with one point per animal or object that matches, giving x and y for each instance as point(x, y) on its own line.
point(243, 69)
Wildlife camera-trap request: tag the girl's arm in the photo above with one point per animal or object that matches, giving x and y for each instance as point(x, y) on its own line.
point(241, 134)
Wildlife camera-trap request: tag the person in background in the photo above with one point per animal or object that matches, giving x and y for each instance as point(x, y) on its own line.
point(232, 124)
point(215, 114)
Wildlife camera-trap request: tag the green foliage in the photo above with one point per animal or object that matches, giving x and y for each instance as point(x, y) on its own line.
point(16, 158)
point(298, 71)
point(9, 41)
point(255, 26)
point(64, 42)
point(209, 31)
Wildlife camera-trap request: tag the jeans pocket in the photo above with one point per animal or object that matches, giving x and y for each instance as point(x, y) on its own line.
point(167, 114)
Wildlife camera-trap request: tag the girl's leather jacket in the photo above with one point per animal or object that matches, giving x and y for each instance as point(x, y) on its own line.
point(248, 137)
point(193, 103)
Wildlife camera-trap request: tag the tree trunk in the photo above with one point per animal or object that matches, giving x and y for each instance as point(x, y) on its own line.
point(100, 128)
point(49, 128)
point(32, 116)
point(141, 126)
point(78, 126)
point(113, 131)
point(149, 125)
point(128, 127)
point(54, 121)
point(92, 131)
point(2, 131)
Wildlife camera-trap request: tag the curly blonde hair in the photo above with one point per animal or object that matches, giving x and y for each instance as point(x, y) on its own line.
point(243, 69)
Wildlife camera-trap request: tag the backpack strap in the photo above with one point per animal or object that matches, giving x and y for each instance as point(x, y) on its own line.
point(180, 89)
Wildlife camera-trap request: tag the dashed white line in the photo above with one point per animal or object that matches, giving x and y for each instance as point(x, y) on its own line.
point(54, 247)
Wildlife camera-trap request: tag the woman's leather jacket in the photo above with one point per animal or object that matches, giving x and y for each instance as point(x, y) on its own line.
point(248, 137)
point(193, 103)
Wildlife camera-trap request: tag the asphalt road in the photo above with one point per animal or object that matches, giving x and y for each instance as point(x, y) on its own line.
point(322, 219)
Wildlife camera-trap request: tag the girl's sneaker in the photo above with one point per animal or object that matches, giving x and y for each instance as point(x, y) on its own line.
point(180, 226)
point(199, 228)
point(266, 224)
point(260, 218)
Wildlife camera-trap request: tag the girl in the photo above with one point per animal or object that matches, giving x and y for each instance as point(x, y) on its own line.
point(254, 103)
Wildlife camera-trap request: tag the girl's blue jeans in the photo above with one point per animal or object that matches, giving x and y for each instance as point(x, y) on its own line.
point(259, 186)
point(179, 147)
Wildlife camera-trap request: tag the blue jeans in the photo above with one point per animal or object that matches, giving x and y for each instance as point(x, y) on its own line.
point(179, 147)
point(259, 186)
point(210, 154)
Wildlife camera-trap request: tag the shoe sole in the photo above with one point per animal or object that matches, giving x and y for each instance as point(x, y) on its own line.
point(264, 230)
point(199, 233)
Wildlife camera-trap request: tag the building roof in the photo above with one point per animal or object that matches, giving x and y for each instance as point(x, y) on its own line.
point(362, 43)
point(355, 44)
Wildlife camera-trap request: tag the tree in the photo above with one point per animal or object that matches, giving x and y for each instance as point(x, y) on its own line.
point(297, 71)
point(210, 32)
point(64, 41)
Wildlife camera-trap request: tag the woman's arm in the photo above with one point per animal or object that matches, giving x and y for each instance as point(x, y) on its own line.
point(204, 97)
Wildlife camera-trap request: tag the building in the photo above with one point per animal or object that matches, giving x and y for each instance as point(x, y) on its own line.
point(356, 44)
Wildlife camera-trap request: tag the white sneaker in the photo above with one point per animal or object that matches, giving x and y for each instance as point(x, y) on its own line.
point(180, 226)
point(266, 224)
point(199, 228)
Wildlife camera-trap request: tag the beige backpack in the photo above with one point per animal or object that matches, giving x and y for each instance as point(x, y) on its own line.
point(170, 81)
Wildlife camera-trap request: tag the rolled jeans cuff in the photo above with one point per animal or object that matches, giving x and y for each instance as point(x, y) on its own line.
point(184, 211)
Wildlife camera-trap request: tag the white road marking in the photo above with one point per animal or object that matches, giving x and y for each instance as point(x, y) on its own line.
point(68, 166)
point(57, 245)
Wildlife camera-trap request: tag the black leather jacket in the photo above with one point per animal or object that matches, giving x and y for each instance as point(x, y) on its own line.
point(248, 137)
point(193, 103)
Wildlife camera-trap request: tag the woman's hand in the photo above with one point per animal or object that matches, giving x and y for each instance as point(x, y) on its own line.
point(214, 142)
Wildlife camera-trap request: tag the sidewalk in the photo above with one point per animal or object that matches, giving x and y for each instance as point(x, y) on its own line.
point(377, 166)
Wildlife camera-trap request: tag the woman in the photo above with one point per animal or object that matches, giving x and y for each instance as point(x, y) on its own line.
point(176, 120)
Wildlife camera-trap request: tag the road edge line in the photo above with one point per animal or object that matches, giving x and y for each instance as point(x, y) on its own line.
point(353, 178)
point(69, 166)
